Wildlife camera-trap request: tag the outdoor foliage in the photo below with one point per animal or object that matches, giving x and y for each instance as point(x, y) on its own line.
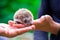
point(9, 7)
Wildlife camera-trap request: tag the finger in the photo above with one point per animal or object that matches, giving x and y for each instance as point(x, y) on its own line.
point(23, 30)
point(10, 22)
point(15, 32)
point(48, 18)
point(38, 21)
point(18, 25)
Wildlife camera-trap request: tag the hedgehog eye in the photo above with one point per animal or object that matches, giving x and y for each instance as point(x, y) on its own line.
point(20, 16)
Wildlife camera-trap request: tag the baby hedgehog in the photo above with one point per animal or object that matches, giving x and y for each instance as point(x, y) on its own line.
point(23, 16)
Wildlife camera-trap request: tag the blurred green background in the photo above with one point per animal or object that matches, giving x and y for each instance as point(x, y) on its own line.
point(9, 7)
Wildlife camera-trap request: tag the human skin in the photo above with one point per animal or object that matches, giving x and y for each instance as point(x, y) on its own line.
point(47, 24)
point(10, 31)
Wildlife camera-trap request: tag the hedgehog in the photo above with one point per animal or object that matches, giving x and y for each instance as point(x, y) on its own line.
point(23, 16)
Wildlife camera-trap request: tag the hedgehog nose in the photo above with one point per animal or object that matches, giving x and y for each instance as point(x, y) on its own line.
point(25, 21)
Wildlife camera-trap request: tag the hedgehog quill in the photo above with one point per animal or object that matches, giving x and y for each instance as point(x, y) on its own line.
point(23, 16)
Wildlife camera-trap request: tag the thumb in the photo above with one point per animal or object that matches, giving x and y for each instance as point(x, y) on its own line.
point(38, 21)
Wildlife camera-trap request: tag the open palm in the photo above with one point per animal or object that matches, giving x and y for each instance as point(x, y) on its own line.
point(12, 30)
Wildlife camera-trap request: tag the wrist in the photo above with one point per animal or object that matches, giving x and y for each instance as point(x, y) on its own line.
point(55, 28)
